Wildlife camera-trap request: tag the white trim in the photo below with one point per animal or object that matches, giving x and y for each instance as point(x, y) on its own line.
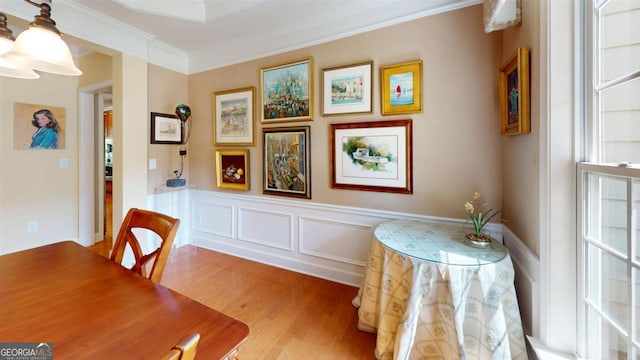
point(544, 179)
point(527, 267)
point(86, 180)
point(544, 353)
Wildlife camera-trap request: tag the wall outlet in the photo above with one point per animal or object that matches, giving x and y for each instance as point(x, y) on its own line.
point(183, 152)
point(32, 226)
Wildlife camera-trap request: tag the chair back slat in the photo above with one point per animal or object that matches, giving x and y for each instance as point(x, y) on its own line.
point(162, 225)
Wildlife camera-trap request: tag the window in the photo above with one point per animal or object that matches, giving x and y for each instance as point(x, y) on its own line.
point(609, 184)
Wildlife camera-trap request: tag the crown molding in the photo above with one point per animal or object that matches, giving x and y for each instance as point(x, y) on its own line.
point(83, 23)
point(237, 52)
point(86, 24)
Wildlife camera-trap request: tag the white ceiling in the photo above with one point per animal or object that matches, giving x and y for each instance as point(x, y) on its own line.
point(197, 35)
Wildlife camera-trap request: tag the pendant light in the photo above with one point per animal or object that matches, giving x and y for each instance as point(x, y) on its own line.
point(41, 46)
point(8, 68)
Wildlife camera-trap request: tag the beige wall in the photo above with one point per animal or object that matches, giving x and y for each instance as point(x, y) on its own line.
point(457, 148)
point(521, 153)
point(456, 142)
point(96, 68)
point(33, 186)
point(167, 89)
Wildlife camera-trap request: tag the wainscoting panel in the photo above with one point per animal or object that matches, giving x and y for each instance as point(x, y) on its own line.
point(335, 240)
point(268, 228)
point(213, 218)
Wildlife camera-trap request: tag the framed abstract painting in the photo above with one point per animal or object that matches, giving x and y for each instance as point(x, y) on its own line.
point(287, 92)
point(286, 162)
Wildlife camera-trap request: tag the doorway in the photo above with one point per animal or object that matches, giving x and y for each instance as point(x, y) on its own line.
point(96, 219)
point(108, 176)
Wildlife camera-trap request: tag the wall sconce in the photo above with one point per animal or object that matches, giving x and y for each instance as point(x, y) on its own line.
point(38, 48)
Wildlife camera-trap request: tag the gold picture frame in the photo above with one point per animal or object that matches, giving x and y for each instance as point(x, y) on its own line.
point(287, 92)
point(401, 88)
point(233, 121)
point(514, 94)
point(232, 169)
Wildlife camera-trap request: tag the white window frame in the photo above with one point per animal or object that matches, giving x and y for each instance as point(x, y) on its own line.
point(591, 151)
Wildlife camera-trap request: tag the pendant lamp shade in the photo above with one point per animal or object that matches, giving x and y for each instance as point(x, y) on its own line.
point(11, 69)
point(8, 68)
point(5, 45)
point(43, 50)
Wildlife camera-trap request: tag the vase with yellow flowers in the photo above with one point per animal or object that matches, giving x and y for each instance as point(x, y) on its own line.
point(479, 214)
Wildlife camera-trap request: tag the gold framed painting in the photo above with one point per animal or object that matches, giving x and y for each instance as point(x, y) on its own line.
point(401, 88)
point(232, 169)
point(234, 117)
point(514, 94)
point(287, 92)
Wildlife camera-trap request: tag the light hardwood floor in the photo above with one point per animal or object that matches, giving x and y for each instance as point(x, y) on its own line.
point(290, 315)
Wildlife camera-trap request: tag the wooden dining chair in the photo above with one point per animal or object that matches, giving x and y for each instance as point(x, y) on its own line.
point(185, 349)
point(164, 226)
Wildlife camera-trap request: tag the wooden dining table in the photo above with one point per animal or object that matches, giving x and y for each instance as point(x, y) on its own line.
point(89, 307)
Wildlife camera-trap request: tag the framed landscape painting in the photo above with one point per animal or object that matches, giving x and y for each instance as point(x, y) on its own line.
point(401, 88)
point(514, 94)
point(286, 166)
point(347, 89)
point(165, 129)
point(372, 156)
point(287, 92)
point(234, 117)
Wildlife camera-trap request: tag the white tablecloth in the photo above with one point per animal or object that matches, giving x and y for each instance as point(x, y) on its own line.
point(425, 308)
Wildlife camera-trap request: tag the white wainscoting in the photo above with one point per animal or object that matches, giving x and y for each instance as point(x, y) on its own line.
point(527, 268)
point(326, 241)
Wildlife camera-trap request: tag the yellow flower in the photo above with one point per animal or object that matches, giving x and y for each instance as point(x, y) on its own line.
point(468, 206)
point(479, 216)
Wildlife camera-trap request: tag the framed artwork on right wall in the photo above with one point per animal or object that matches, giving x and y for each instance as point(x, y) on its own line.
point(514, 94)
